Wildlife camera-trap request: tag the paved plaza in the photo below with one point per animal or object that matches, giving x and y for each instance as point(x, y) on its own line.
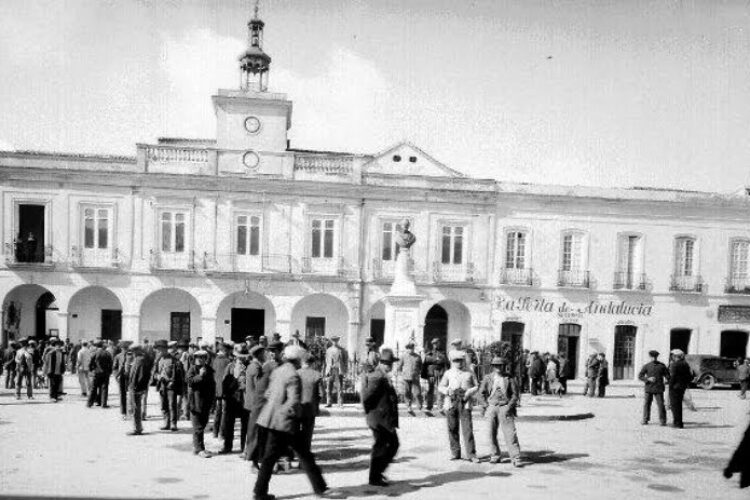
point(66, 450)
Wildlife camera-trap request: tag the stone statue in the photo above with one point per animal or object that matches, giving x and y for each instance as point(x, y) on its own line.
point(404, 239)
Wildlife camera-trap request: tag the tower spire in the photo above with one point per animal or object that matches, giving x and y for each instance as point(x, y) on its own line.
point(254, 63)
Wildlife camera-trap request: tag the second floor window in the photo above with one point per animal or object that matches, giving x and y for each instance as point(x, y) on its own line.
point(96, 227)
point(572, 252)
point(173, 231)
point(740, 259)
point(247, 235)
point(322, 238)
point(389, 250)
point(452, 245)
point(515, 250)
point(684, 256)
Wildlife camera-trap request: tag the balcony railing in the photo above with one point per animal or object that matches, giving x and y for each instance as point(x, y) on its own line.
point(738, 284)
point(690, 284)
point(320, 164)
point(452, 273)
point(513, 276)
point(629, 281)
point(573, 279)
point(172, 261)
point(174, 154)
point(238, 263)
point(331, 266)
point(28, 253)
point(79, 257)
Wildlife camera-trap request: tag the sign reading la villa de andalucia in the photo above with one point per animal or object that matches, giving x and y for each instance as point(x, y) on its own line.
point(540, 304)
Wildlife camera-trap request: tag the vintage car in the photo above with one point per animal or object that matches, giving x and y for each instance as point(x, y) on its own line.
point(712, 370)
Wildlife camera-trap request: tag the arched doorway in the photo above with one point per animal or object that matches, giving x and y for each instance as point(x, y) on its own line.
point(245, 313)
point(733, 344)
point(94, 312)
point(435, 327)
point(29, 311)
point(321, 315)
point(172, 314)
point(377, 323)
point(623, 364)
point(679, 338)
point(447, 320)
point(568, 342)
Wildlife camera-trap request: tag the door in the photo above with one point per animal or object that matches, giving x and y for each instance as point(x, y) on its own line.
point(97, 236)
point(567, 344)
point(246, 322)
point(679, 338)
point(179, 328)
point(436, 327)
point(315, 327)
point(377, 331)
point(30, 238)
point(624, 359)
point(733, 344)
point(111, 324)
point(512, 332)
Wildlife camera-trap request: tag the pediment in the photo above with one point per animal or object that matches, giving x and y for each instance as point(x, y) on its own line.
point(407, 159)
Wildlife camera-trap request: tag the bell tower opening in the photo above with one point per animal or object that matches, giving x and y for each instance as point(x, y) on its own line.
point(254, 63)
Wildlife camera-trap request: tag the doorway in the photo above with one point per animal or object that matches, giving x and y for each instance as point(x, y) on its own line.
point(314, 327)
point(45, 303)
point(733, 344)
point(624, 359)
point(30, 238)
point(512, 331)
point(377, 331)
point(679, 338)
point(111, 324)
point(247, 322)
point(179, 326)
point(567, 343)
point(435, 327)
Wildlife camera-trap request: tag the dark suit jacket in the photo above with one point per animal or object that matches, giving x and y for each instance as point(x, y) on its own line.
point(496, 398)
point(659, 371)
point(310, 391)
point(253, 373)
point(140, 374)
point(202, 390)
point(680, 375)
point(282, 410)
point(101, 363)
point(380, 400)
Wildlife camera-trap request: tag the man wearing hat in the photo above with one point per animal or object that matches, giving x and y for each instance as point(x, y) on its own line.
point(296, 340)
point(9, 365)
point(371, 358)
point(380, 401)
point(280, 417)
point(273, 359)
point(170, 383)
point(602, 375)
point(410, 368)
point(202, 392)
point(680, 376)
point(434, 366)
point(25, 369)
point(54, 368)
point(100, 369)
point(501, 393)
point(337, 363)
point(253, 402)
point(221, 361)
point(82, 363)
point(139, 377)
point(233, 389)
point(120, 370)
point(653, 374)
point(459, 385)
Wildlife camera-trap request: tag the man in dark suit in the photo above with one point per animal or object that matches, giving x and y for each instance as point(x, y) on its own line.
point(434, 365)
point(381, 406)
point(233, 389)
point(219, 364)
point(120, 370)
point(592, 372)
point(680, 377)
point(310, 398)
point(170, 381)
point(100, 369)
point(653, 374)
point(253, 403)
point(202, 393)
point(138, 374)
point(280, 417)
point(54, 368)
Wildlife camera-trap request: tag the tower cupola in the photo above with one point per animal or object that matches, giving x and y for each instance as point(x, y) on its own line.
point(254, 63)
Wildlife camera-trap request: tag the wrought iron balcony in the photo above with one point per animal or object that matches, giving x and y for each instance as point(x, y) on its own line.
point(239, 263)
point(95, 259)
point(452, 273)
point(331, 266)
point(689, 284)
point(630, 281)
point(573, 279)
point(516, 276)
point(29, 254)
point(172, 261)
point(738, 284)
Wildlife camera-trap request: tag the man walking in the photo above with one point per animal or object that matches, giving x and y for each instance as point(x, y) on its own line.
point(253, 403)
point(120, 369)
point(25, 369)
point(100, 368)
point(743, 375)
point(233, 389)
point(54, 368)
point(410, 368)
point(501, 395)
point(310, 398)
point(280, 417)
point(653, 374)
point(202, 384)
point(680, 377)
point(459, 385)
point(434, 366)
point(336, 365)
point(170, 381)
point(602, 376)
point(537, 372)
point(138, 375)
point(381, 406)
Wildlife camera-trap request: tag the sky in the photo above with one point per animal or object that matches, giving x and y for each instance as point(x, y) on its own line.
point(577, 92)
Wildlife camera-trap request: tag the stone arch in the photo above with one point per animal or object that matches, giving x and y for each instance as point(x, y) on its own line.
point(21, 314)
point(321, 314)
point(456, 317)
point(170, 313)
point(93, 312)
point(245, 313)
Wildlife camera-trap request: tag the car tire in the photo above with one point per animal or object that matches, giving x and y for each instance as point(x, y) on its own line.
point(707, 382)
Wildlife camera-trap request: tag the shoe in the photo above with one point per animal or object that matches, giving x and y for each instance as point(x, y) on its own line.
point(135, 433)
point(83, 394)
point(31, 397)
point(644, 422)
point(494, 460)
point(455, 457)
point(329, 405)
point(63, 394)
point(516, 462)
point(205, 454)
point(225, 452)
point(474, 459)
point(678, 426)
point(379, 482)
point(105, 406)
point(663, 424)
point(264, 497)
point(164, 428)
point(174, 428)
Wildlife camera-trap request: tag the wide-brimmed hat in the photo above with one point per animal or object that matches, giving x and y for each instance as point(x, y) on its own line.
point(201, 354)
point(387, 357)
point(276, 346)
point(336, 337)
point(294, 352)
point(653, 353)
point(369, 340)
point(409, 344)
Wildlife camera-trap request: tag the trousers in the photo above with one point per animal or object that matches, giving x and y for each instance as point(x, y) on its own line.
point(413, 390)
point(335, 378)
point(498, 416)
point(675, 402)
point(169, 408)
point(659, 397)
point(29, 378)
point(123, 395)
point(10, 378)
point(137, 398)
point(459, 416)
point(99, 390)
point(233, 410)
point(55, 385)
point(83, 380)
point(277, 444)
point(253, 442)
point(384, 449)
point(199, 422)
point(218, 417)
point(432, 397)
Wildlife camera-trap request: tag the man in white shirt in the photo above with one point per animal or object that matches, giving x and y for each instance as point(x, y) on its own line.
point(84, 359)
point(335, 370)
point(459, 385)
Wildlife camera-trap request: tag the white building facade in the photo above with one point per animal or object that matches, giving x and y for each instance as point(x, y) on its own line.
point(243, 235)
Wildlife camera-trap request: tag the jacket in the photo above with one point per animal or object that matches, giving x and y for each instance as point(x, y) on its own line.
point(310, 398)
point(101, 363)
point(659, 372)
point(119, 367)
point(282, 410)
point(336, 357)
point(592, 367)
point(84, 359)
point(54, 362)
point(253, 373)
point(603, 373)
point(743, 372)
point(170, 374)
point(24, 361)
point(233, 382)
point(219, 364)
point(410, 366)
point(9, 359)
point(139, 374)
point(379, 400)
point(494, 396)
point(202, 389)
point(434, 365)
point(537, 368)
point(680, 375)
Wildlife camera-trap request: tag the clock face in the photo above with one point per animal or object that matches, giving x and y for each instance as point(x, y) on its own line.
point(251, 160)
point(252, 124)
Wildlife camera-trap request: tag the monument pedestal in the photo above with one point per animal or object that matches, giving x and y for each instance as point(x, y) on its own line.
point(402, 307)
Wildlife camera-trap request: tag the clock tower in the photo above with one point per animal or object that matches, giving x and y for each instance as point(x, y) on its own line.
point(251, 122)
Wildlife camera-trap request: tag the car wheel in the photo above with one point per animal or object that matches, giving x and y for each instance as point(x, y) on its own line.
point(708, 382)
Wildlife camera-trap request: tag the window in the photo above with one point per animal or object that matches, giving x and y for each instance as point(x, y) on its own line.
point(96, 228)
point(740, 259)
point(389, 247)
point(452, 245)
point(173, 231)
point(572, 252)
point(684, 256)
point(322, 238)
point(247, 235)
point(630, 262)
point(515, 250)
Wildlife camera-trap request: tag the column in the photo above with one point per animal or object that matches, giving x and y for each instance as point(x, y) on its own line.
point(352, 338)
point(131, 327)
point(208, 330)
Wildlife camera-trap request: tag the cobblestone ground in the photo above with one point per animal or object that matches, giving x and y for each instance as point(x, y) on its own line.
point(67, 450)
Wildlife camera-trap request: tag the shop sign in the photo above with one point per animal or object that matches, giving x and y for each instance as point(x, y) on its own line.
point(734, 314)
point(566, 309)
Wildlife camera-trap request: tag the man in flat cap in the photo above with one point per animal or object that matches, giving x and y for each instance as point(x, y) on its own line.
point(170, 383)
point(410, 368)
point(139, 377)
point(54, 368)
point(253, 403)
point(233, 389)
point(653, 375)
point(280, 417)
point(371, 358)
point(459, 385)
point(202, 393)
point(434, 366)
point(680, 377)
point(337, 362)
point(501, 394)
point(100, 368)
point(221, 361)
point(380, 401)
point(120, 369)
